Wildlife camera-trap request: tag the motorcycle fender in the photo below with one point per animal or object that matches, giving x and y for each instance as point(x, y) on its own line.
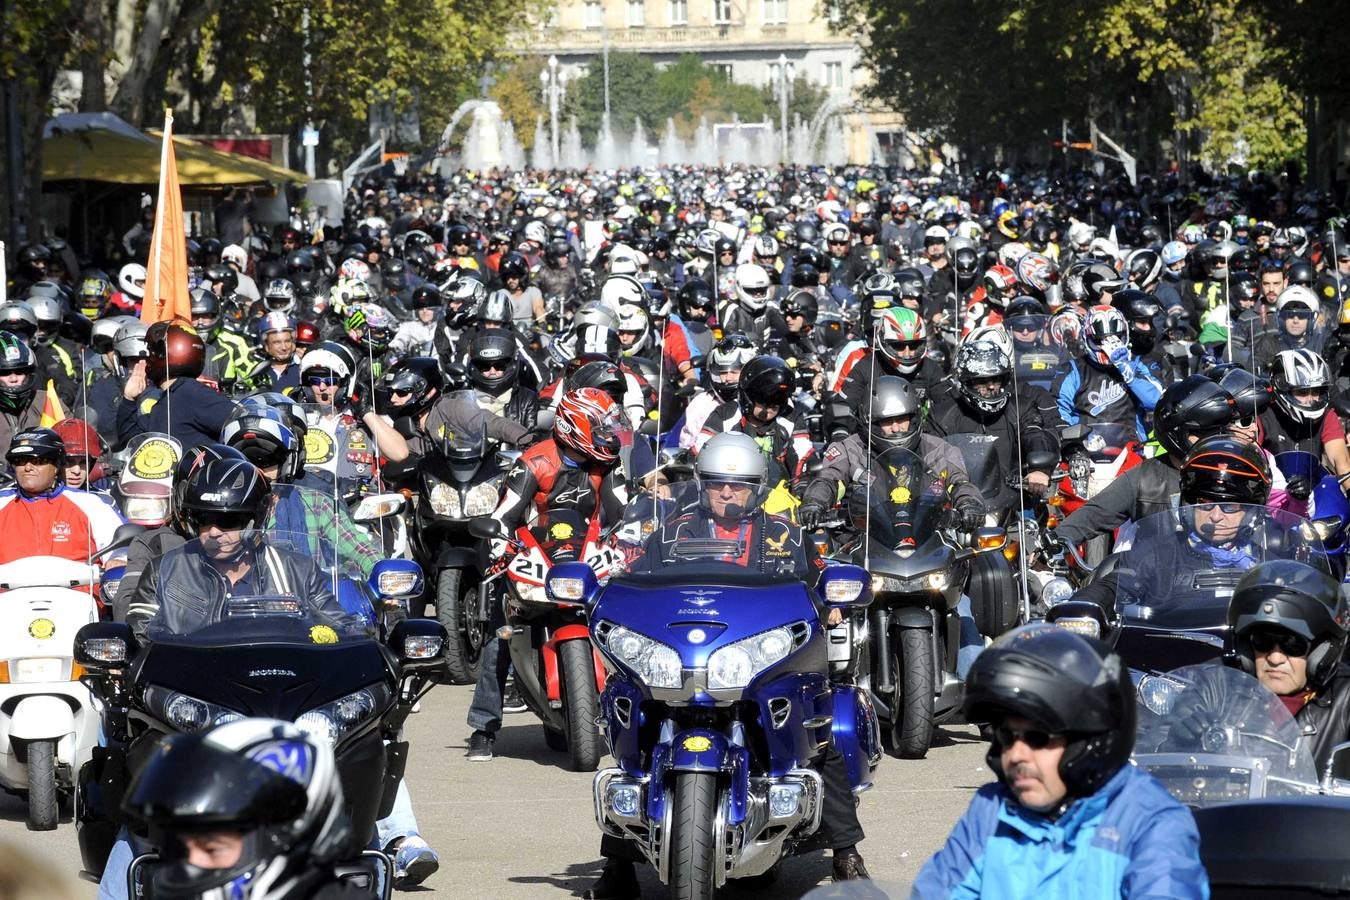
point(699, 750)
point(396, 761)
point(40, 717)
point(100, 779)
point(856, 732)
point(911, 617)
point(573, 632)
point(452, 557)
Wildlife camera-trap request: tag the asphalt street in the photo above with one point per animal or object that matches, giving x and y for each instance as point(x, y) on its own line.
point(521, 826)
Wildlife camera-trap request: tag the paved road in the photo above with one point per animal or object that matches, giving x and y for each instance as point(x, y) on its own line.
point(521, 827)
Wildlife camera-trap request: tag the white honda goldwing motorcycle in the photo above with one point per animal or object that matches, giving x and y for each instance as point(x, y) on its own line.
point(48, 723)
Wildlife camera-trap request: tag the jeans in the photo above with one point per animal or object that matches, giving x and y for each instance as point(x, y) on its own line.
point(400, 823)
point(485, 710)
point(972, 642)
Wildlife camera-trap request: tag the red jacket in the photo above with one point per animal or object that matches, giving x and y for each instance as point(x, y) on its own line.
point(67, 523)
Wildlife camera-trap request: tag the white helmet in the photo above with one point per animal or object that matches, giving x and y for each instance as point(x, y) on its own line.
point(622, 290)
point(536, 232)
point(752, 287)
point(1080, 235)
point(1300, 369)
point(991, 334)
point(132, 280)
point(1011, 252)
point(766, 245)
point(1296, 294)
point(322, 357)
point(233, 253)
point(624, 260)
point(634, 319)
point(836, 232)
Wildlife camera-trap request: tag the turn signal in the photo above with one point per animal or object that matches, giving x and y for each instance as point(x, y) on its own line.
point(1010, 551)
point(992, 541)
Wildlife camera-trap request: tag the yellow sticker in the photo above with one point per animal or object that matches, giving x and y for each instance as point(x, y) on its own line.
point(697, 744)
point(154, 459)
point(42, 628)
point(322, 634)
point(900, 494)
point(318, 447)
point(148, 404)
point(1038, 366)
point(560, 531)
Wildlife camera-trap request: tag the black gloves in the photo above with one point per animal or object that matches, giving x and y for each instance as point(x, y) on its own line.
point(1189, 731)
point(809, 516)
point(1298, 487)
point(969, 518)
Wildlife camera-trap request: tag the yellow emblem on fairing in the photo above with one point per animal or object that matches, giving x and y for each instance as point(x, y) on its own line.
point(560, 531)
point(697, 744)
point(154, 459)
point(323, 634)
point(900, 494)
point(42, 628)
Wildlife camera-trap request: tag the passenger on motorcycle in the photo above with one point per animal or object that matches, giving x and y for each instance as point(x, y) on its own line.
point(250, 808)
point(21, 401)
point(579, 468)
point(1108, 384)
point(82, 468)
point(733, 482)
point(763, 410)
point(346, 433)
point(162, 393)
point(40, 516)
point(279, 370)
point(1301, 417)
point(1069, 816)
point(721, 376)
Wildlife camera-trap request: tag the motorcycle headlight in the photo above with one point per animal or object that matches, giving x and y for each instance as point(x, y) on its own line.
point(736, 664)
point(444, 500)
point(657, 664)
point(933, 581)
point(335, 720)
point(1158, 693)
point(185, 712)
point(481, 499)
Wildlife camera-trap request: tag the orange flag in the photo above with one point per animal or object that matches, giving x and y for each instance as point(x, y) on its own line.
point(51, 409)
point(166, 282)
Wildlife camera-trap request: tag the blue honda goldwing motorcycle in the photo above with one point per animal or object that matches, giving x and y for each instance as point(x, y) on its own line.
point(718, 710)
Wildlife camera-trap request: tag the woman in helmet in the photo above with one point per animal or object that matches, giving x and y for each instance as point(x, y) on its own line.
point(1059, 710)
point(1301, 416)
point(527, 303)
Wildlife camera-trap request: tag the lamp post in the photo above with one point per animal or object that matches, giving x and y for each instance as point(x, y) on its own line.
point(784, 89)
point(553, 82)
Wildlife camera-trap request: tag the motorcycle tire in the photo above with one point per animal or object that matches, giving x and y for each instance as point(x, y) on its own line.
point(555, 740)
point(692, 842)
point(43, 798)
point(454, 609)
point(912, 727)
point(581, 706)
point(993, 594)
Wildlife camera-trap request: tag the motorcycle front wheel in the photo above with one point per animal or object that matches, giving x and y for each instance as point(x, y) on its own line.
point(912, 726)
point(43, 798)
point(692, 842)
point(581, 705)
point(455, 610)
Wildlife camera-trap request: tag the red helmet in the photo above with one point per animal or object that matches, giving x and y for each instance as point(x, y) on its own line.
point(587, 422)
point(175, 351)
point(79, 437)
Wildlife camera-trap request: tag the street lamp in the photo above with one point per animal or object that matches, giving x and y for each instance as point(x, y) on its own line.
point(784, 89)
point(553, 82)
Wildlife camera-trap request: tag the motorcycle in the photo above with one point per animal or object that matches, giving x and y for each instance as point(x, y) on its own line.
point(277, 656)
point(1172, 584)
point(918, 570)
point(1250, 776)
point(1094, 456)
point(557, 670)
point(1319, 498)
point(993, 588)
point(461, 483)
point(48, 723)
point(717, 710)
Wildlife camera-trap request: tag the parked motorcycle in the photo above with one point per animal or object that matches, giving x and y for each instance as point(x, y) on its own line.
point(717, 710)
point(48, 723)
point(277, 656)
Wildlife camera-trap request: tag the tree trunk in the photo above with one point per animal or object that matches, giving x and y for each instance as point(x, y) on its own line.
point(161, 18)
point(93, 60)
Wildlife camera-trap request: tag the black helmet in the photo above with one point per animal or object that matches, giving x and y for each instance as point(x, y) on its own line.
point(696, 294)
point(1066, 683)
point(223, 275)
point(191, 461)
point(765, 380)
point(966, 264)
point(805, 275)
point(419, 376)
point(264, 778)
point(299, 261)
point(42, 443)
point(513, 265)
point(1220, 468)
point(802, 303)
point(205, 305)
point(1193, 407)
point(602, 374)
point(425, 296)
point(225, 486)
point(1139, 309)
point(16, 356)
point(1296, 598)
point(1242, 286)
point(493, 350)
point(1300, 271)
point(1144, 267)
point(34, 260)
point(909, 284)
point(1251, 393)
point(724, 245)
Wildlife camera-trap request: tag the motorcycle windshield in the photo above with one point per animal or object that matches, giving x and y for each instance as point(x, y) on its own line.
point(1182, 564)
point(906, 502)
point(233, 588)
point(983, 467)
point(1214, 734)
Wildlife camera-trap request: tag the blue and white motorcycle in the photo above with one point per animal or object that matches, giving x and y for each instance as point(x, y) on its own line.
point(718, 711)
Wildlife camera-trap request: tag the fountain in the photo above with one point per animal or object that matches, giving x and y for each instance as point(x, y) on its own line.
point(606, 148)
point(638, 151)
point(573, 156)
point(542, 155)
point(490, 141)
point(672, 150)
point(704, 151)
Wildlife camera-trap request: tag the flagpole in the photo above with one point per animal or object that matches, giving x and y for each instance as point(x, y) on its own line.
point(159, 207)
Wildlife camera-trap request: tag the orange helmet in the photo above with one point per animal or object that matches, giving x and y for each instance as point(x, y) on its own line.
point(587, 422)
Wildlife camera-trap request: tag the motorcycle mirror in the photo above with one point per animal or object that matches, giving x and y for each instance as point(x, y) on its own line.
point(485, 527)
point(1336, 751)
point(419, 644)
point(543, 420)
point(122, 537)
point(101, 646)
point(844, 584)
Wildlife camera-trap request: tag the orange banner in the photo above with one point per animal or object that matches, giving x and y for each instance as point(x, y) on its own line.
point(166, 281)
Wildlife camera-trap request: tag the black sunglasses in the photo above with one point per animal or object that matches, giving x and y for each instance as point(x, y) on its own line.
point(223, 520)
point(1225, 508)
point(1035, 738)
point(1289, 644)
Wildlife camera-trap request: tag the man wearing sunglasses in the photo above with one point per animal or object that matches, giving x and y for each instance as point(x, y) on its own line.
point(1068, 816)
point(1288, 628)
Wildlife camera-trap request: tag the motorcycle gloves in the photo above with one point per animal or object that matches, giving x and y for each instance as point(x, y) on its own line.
point(969, 517)
point(809, 516)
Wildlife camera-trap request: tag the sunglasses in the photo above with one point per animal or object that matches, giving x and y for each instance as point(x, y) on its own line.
point(224, 521)
point(1035, 738)
point(1227, 509)
point(1289, 644)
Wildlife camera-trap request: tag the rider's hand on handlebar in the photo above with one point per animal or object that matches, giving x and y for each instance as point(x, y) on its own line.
point(1298, 487)
point(1189, 730)
point(969, 518)
point(809, 515)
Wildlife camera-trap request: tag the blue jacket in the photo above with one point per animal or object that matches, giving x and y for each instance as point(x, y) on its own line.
point(1105, 392)
point(1129, 840)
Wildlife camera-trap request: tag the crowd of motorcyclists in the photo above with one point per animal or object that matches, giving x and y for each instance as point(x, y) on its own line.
point(1068, 358)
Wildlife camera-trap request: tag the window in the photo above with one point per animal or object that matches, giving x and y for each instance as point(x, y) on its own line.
point(775, 12)
point(722, 69)
point(637, 13)
point(834, 75)
point(721, 12)
point(594, 14)
point(679, 12)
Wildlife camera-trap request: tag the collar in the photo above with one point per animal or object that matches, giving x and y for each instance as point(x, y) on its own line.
point(55, 492)
point(1079, 813)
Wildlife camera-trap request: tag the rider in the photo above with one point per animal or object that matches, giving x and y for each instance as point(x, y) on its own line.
point(1301, 417)
point(39, 516)
point(1068, 816)
point(177, 404)
point(721, 376)
point(1108, 384)
point(228, 356)
point(733, 481)
point(251, 808)
point(763, 410)
point(578, 468)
